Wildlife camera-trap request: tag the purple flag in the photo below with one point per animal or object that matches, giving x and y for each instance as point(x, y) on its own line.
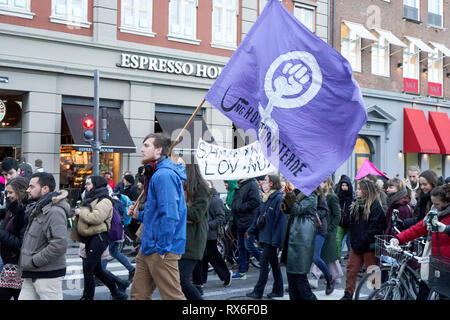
point(295, 94)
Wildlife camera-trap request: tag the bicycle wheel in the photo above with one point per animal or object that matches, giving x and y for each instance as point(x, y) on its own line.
point(387, 291)
point(368, 282)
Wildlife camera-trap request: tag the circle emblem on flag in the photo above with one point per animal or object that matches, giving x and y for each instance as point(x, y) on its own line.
point(293, 79)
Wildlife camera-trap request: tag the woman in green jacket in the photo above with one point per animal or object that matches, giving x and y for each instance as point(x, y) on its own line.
point(298, 248)
point(197, 197)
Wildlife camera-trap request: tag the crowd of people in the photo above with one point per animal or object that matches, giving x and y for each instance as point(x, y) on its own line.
point(178, 217)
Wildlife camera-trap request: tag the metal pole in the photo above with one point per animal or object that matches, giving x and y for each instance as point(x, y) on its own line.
point(96, 142)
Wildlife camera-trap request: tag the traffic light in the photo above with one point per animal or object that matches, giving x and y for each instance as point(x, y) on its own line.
point(88, 128)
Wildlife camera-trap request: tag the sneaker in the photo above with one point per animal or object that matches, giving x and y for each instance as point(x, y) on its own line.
point(239, 275)
point(227, 282)
point(347, 296)
point(131, 275)
point(313, 283)
point(274, 295)
point(253, 295)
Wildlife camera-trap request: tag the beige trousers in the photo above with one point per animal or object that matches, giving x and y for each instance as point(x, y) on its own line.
point(154, 272)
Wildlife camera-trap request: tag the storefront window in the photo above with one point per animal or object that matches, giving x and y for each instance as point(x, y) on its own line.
point(436, 163)
point(10, 113)
point(411, 159)
point(76, 166)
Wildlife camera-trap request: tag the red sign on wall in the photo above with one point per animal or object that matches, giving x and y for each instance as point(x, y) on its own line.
point(411, 85)
point(435, 89)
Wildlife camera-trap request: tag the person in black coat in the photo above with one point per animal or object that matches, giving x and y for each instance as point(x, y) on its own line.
point(365, 221)
point(130, 187)
point(11, 237)
point(270, 225)
point(246, 202)
point(344, 191)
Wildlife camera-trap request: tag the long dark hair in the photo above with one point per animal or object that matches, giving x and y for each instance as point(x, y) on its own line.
point(194, 182)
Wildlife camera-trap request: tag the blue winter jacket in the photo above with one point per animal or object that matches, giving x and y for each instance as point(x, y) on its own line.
point(274, 230)
point(164, 215)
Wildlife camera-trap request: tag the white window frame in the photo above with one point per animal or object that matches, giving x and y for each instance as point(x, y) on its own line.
point(417, 6)
point(346, 48)
point(298, 6)
point(226, 6)
point(441, 12)
point(379, 47)
point(71, 20)
point(10, 9)
point(411, 51)
point(135, 28)
point(262, 4)
point(436, 74)
point(181, 36)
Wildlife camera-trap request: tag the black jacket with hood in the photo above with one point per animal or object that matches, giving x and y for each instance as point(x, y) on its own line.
point(246, 202)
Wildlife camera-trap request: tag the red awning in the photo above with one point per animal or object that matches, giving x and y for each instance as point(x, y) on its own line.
point(417, 134)
point(440, 124)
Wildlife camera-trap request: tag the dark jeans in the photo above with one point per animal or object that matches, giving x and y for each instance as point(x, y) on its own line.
point(299, 288)
point(92, 266)
point(212, 255)
point(243, 266)
point(269, 255)
point(186, 268)
point(251, 248)
point(8, 293)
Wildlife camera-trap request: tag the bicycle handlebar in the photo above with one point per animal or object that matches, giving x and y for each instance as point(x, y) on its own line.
point(390, 247)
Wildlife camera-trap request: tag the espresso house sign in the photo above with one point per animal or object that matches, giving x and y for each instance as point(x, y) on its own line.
point(149, 63)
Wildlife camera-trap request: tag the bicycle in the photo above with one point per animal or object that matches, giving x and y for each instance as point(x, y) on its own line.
point(381, 273)
point(400, 280)
point(231, 251)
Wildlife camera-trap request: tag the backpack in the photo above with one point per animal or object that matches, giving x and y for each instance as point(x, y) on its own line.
point(116, 230)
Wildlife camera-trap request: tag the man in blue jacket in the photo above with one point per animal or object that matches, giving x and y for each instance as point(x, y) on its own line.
point(164, 225)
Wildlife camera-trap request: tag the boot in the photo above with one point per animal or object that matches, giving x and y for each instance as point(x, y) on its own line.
point(330, 285)
point(119, 295)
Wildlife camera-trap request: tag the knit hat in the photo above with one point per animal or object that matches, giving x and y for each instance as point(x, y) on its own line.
point(129, 178)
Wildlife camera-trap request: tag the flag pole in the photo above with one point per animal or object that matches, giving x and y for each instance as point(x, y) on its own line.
point(185, 127)
point(174, 144)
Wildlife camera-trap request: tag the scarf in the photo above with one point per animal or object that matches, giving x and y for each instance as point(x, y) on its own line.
point(98, 193)
point(392, 198)
point(413, 191)
point(266, 195)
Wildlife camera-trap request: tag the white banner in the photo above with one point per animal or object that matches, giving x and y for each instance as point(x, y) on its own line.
point(217, 163)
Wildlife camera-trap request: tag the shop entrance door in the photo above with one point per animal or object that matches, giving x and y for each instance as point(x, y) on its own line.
point(362, 152)
point(7, 152)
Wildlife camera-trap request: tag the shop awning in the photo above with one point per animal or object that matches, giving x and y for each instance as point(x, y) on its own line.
point(417, 134)
point(420, 44)
point(390, 37)
point(442, 48)
point(360, 30)
point(173, 123)
point(119, 137)
point(440, 124)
